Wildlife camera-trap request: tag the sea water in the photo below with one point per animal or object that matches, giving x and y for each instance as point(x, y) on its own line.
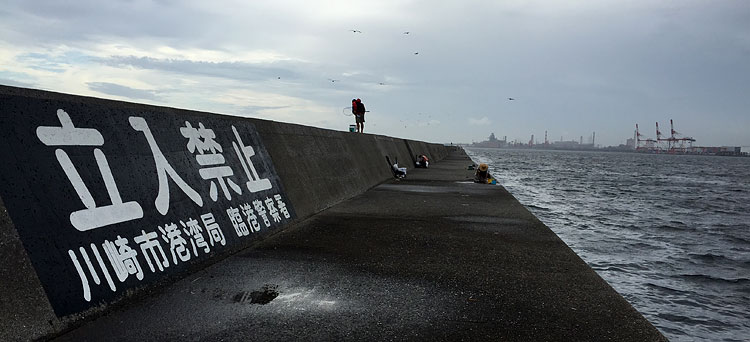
point(671, 233)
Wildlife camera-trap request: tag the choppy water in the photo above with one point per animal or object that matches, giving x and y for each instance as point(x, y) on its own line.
point(670, 233)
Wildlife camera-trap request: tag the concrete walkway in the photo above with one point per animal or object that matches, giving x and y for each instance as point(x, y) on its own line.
point(431, 257)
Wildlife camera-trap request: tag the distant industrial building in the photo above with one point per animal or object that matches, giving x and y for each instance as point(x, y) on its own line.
point(492, 142)
point(570, 144)
point(674, 143)
point(630, 143)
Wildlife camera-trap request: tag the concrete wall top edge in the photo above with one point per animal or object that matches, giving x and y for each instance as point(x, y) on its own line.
point(48, 94)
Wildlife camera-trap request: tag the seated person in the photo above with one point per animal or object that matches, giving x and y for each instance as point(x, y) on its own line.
point(483, 174)
point(422, 161)
point(398, 172)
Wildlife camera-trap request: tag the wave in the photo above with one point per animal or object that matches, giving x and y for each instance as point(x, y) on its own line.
point(691, 320)
point(612, 269)
point(741, 240)
point(643, 245)
point(624, 268)
point(674, 227)
point(665, 289)
point(710, 258)
point(727, 212)
point(711, 279)
point(536, 207)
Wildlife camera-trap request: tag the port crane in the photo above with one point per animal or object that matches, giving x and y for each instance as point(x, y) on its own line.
point(675, 142)
point(649, 143)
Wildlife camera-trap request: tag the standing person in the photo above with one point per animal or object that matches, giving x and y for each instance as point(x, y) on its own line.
point(359, 115)
point(354, 113)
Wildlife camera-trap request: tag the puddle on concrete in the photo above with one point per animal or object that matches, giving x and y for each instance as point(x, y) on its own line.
point(263, 296)
point(489, 219)
point(414, 188)
point(492, 224)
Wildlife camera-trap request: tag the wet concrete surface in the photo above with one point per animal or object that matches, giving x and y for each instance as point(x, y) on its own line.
point(430, 257)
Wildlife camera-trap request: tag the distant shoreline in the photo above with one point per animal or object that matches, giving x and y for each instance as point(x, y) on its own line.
point(609, 149)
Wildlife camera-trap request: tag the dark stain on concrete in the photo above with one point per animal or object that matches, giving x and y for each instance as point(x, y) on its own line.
point(262, 296)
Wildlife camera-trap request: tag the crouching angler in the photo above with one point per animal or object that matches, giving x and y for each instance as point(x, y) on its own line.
point(482, 175)
point(422, 161)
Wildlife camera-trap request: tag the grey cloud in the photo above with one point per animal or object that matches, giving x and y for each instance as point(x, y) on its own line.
point(231, 70)
point(152, 23)
point(41, 62)
point(255, 109)
point(47, 21)
point(304, 80)
point(124, 91)
point(13, 83)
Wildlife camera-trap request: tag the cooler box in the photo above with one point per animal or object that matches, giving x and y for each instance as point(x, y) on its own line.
point(352, 128)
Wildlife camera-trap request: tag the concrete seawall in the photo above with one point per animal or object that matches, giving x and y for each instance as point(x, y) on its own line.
point(49, 175)
point(200, 226)
point(432, 257)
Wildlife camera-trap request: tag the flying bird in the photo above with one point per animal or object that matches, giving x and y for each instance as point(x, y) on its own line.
point(356, 31)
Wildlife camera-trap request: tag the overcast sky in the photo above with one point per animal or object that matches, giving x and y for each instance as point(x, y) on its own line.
point(573, 67)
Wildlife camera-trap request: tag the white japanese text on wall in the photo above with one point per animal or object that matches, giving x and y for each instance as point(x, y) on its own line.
point(107, 198)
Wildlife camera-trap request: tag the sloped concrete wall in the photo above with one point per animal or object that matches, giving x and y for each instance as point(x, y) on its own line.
point(317, 167)
point(322, 167)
